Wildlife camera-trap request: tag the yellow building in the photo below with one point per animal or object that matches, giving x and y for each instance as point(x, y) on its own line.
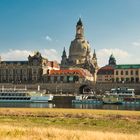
point(127, 73)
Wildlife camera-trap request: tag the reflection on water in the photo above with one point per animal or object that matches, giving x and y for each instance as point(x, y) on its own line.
point(27, 105)
point(107, 107)
point(69, 105)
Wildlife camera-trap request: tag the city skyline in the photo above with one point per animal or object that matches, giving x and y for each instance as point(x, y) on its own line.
point(49, 26)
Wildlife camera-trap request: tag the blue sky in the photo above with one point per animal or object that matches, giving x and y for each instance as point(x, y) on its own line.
point(111, 26)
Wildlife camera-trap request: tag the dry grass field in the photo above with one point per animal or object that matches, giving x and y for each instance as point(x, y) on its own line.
point(68, 124)
point(51, 133)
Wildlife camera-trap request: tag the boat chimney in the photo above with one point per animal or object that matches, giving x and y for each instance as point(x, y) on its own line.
point(2, 88)
point(14, 88)
point(25, 87)
point(38, 88)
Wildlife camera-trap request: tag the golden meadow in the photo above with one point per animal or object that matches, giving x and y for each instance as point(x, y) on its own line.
point(68, 124)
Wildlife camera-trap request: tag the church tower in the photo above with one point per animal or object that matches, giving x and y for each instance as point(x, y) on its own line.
point(79, 30)
point(94, 59)
point(64, 58)
point(80, 53)
point(79, 46)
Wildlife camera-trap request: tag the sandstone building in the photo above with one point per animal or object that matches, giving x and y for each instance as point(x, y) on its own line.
point(106, 73)
point(122, 73)
point(127, 73)
point(80, 53)
point(30, 71)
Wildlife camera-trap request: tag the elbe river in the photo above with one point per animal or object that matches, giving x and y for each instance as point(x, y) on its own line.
point(70, 105)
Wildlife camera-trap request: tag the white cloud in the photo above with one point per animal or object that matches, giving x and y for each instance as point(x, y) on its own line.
point(50, 54)
point(15, 54)
point(48, 38)
point(120, 55)
point(137, 44)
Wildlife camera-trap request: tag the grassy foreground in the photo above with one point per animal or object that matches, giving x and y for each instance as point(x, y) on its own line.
point(68, 124)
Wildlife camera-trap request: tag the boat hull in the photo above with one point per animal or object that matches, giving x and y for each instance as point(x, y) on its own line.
point(29, 99)
point(114, 103)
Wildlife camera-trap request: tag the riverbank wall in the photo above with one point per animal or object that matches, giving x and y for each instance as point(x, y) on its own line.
point(71, 88)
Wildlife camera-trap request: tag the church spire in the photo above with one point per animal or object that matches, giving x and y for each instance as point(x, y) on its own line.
point(64, 58)
point(79, 29)
point(94, 60)
point(79, 22)
point(94, 55)
point(64, 53)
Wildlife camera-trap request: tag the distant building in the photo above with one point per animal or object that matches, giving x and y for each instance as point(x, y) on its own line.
point(68, 76)
point(30, 71)
point(127, 73)
point(80, 53)
point(106, 74)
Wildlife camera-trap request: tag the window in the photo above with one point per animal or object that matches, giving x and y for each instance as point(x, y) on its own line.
point(61, 78)
point(126, 72)
point(122, 79)
point(137, 73)
point(132, 79)
point(117, 79)
point(131, 72)
point(127, 79)
point(48, 78)
point(116, 72)
point(121, 72)
point(55, 78)
point(137, 79)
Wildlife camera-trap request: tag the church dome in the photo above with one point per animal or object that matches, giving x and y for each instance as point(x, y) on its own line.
point(112, 60)
point(79, 48)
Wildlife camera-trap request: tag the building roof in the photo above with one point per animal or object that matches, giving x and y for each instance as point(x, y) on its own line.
point(65, 72)
point(14, 62)
point(106, 70)
point(127, 66)
point(80, 72)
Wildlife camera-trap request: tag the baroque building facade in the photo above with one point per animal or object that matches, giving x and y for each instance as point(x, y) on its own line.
point(106, 73)
point(122, 73)
point(80, 53)
point(127, 73)
point(30, 71)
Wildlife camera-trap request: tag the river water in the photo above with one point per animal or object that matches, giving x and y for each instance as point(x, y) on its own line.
point(70, 105)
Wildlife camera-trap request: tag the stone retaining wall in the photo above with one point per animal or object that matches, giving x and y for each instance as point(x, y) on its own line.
point(58, 88)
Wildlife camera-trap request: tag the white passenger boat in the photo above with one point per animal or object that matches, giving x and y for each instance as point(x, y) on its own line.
point(123, 92)
point(86, 99)
point(117, 95)
point(112, 99)
point(21, 95)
